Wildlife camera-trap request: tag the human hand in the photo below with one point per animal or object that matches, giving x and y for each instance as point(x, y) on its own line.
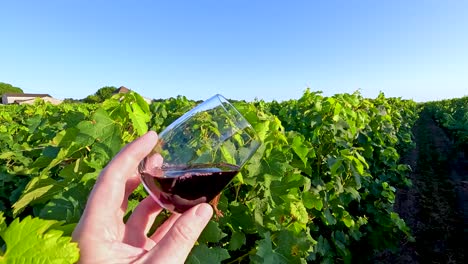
point(102, 235)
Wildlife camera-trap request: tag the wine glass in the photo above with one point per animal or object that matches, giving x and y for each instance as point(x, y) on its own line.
point(198, 155)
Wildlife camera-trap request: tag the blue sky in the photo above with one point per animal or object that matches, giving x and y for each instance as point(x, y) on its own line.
point(239, 48)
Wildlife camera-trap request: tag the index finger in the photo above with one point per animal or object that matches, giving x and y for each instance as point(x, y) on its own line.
point(178, 241)
point(110, 186)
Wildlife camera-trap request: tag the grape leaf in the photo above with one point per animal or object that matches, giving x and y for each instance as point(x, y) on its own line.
point(211, 233)
point(262, 128)
point(299, 212)
point(254, 164)
point(104, 130)
point(38, 190)
point(328, 217)
point(141, 102)
point(67, 137)
point(347, 219)
point(241, 218)
point(288, 184)
point(311, 200)
point(139, 118)
point(34, 240)
point(294, 246)
point(3, 225)
point(300, 149)
point(266, 253)
point(323, 247)
point(237, 240)
point(277, 163)
point(201, 254)
point(68, 205)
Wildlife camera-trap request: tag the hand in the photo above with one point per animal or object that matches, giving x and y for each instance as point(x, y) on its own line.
point(102, 235)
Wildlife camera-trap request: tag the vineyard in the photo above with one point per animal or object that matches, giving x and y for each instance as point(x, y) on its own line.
point(322, 188)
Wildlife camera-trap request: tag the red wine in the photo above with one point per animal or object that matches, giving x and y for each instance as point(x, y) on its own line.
point(180, 188)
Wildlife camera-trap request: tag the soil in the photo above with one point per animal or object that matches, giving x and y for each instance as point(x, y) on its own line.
point(435, 207)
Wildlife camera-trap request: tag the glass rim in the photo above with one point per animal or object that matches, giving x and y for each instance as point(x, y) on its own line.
point(194, 110)
point(223, 99)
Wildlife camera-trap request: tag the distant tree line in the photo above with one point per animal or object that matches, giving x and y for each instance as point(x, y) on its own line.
point(8, 88)
point(100, 95)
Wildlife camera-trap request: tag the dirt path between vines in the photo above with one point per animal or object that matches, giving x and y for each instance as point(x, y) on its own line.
point(436, 206)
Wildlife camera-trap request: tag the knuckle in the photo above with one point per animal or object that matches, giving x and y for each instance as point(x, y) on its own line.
point(184, 232)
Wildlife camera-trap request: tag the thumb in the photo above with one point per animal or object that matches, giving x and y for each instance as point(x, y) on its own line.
point(175, 246)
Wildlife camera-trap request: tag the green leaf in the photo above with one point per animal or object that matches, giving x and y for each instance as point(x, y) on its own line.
point(237, 241)
point(48, 154)
point(329, 218)
point(294, 246)
point(357, 177)
point(266, 253)
point(211, 233)
point(67, 205)
point(300, 149)
point(107, 132)
point(259, 211)
point(3, 225)
point(289, 184)
point(323, 246)
point(341, 242)
point(7, 155)
point(254, 165)
point(353, 193)
point(335, 164)
point(202, 254)
point(262, 129)
point(104, 130)
point(141, 103)
point(39, 189)
point(228, 151)
point(139, 119)
point(241, 219)
point(277, 163)
point(311, 201)
point(67, 137)
point(34, 240)
point(299, 212)
point(347, 219)
point(358, 165)
point(75, 170)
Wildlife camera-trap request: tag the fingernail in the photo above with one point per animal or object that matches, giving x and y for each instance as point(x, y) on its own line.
point(204, 210)
point(151, 133)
